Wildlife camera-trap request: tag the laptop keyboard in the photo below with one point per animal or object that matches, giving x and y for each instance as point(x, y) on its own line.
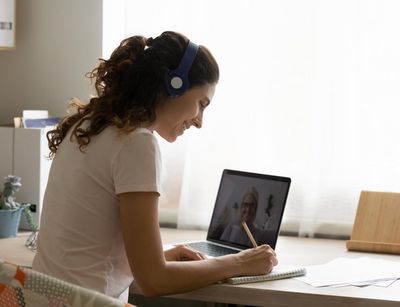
point(212, 249)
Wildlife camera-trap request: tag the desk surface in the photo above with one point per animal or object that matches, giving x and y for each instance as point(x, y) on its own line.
point(287, 292)
point(15, 251)
point(290, 292)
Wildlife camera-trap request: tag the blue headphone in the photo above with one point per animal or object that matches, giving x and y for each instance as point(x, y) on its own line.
point(177, 80)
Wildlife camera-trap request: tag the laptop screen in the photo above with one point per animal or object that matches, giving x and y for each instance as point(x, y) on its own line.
point(257, 199)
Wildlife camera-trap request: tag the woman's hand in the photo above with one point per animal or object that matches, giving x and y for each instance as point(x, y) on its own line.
point(257, 261)
point(182, 253)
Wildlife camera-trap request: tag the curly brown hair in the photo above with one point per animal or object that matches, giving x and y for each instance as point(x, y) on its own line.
point(130, 85)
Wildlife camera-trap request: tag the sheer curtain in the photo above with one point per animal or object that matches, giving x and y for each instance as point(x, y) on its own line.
point(308, 89)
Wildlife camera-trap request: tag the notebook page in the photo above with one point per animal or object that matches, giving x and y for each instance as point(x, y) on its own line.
point(279, 272)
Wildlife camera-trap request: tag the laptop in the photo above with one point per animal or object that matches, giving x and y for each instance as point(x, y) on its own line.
point(257, 199)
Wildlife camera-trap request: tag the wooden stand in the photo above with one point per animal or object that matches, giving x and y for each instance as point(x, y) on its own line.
point(377, 224)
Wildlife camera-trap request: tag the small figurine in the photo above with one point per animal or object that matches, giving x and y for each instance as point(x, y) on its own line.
point(7, 199)
point(12, 185)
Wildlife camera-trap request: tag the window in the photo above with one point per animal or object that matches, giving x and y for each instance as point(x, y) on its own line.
point(308, 89)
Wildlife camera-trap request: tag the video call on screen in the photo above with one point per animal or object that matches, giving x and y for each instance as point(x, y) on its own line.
point(257, 201)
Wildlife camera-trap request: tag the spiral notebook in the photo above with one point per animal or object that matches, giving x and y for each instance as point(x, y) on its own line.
point(279, 272)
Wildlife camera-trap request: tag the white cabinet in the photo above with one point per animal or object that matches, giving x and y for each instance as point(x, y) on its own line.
point(24, 153)
point(6, 152)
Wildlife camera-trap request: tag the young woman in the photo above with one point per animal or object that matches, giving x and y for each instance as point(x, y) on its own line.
point(99, 226)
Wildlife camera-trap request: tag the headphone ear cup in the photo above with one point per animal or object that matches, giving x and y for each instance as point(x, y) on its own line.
point(177, 80)
point(177, 84)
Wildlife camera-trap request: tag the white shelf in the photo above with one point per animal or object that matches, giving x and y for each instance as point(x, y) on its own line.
point(25, 155)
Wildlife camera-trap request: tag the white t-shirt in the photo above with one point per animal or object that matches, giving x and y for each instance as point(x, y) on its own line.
point(80, 238)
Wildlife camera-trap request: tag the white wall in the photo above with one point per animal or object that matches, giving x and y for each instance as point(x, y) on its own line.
point(57, 42)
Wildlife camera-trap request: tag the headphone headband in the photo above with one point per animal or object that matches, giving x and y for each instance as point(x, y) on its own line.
point(177, 80)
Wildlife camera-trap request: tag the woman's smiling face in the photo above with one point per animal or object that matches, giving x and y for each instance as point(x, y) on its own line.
point(180, 113)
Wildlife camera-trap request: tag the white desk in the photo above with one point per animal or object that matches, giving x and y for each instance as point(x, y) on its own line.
point(288, 292)
point(14, 250)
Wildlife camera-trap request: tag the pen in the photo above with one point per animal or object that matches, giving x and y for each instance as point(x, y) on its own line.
point(247, 230)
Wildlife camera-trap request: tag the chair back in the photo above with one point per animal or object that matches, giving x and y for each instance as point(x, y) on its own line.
point(22, 286)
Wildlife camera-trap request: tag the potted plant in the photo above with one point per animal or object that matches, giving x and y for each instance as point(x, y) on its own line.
point(10, 209)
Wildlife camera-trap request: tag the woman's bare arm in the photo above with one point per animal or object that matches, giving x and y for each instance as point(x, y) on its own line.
point(157, 276)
